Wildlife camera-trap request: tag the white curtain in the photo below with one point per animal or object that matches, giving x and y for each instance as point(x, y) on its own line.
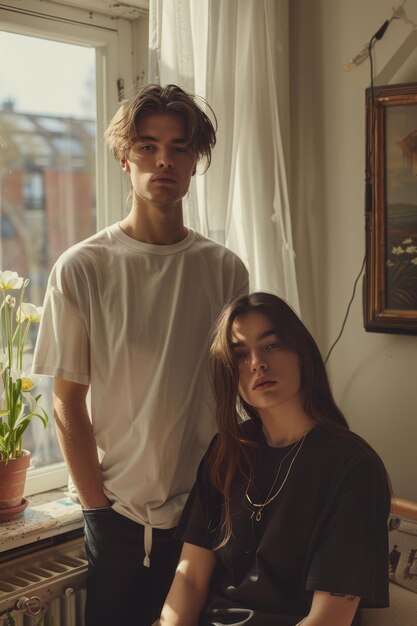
point(234, 53)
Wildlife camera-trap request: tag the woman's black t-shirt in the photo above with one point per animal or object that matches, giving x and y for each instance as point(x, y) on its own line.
point(326, 530)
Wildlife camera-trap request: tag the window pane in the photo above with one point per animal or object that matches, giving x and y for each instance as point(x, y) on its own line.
point(47, 175)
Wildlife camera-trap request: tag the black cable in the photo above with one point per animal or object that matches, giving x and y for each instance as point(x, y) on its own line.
point(368, 181)
point(381, 31)
point(347, 310)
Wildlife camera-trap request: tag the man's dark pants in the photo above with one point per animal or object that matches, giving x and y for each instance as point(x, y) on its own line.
point(120, 589)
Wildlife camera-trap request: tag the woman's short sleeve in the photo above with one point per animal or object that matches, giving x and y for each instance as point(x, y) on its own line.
point(350, 555)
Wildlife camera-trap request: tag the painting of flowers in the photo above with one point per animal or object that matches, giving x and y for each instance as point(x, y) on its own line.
point(401, 207)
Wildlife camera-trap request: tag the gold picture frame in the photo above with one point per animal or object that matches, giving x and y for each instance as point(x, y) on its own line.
point(390, 286)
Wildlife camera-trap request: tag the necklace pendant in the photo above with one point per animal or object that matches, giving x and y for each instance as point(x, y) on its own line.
point(269, 498)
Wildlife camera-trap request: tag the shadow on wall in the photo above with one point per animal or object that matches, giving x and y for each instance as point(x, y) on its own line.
point(308, 176)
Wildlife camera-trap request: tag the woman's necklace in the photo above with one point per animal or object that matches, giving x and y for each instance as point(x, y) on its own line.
point(260, 506)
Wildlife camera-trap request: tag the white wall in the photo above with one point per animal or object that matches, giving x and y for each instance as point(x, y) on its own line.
point(374, 376)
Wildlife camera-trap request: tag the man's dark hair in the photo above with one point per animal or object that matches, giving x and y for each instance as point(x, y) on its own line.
point(121, 132)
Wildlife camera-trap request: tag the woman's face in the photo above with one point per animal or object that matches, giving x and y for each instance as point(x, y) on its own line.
point(269, 373)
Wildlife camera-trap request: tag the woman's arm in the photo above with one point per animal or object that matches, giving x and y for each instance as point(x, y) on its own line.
point(331, 610)
point(189, 589)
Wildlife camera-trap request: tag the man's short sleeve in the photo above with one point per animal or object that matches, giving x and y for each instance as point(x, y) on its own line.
point(62, 347)
point(350, 555)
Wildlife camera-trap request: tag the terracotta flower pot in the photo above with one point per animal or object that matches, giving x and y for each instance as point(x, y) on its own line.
point(12, 481)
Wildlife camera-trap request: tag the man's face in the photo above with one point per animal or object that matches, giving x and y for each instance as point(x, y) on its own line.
point(160, 163)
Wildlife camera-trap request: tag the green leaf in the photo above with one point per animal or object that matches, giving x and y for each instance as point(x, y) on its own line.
point(24, 420)
point(20, 430)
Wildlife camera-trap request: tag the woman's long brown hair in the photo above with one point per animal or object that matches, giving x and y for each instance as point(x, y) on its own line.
point(233, 452)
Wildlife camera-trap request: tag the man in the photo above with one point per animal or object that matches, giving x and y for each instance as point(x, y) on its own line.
point(127, 316)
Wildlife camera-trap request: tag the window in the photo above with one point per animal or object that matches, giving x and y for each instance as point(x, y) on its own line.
point(33, 190)
point(57, 185)
point(47, 175)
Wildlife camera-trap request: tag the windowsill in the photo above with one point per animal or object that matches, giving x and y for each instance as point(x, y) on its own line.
point(47, 515)
point(47, 478)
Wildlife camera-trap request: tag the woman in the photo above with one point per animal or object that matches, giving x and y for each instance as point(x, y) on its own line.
point(287, 522)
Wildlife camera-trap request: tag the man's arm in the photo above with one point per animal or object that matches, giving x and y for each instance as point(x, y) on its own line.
point(331, 609)
point(76, 439)
point(189, 589)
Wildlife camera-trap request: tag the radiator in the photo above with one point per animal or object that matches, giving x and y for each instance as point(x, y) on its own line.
point(48, 583)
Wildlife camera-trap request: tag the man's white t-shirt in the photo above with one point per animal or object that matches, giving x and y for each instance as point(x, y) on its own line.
point(133, 320)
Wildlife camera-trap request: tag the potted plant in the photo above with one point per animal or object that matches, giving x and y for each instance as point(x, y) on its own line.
point(18, 404)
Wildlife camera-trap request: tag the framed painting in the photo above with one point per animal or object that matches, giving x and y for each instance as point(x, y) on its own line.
point(390, 286)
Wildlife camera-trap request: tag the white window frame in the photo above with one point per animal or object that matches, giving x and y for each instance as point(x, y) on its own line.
point(112, 39)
